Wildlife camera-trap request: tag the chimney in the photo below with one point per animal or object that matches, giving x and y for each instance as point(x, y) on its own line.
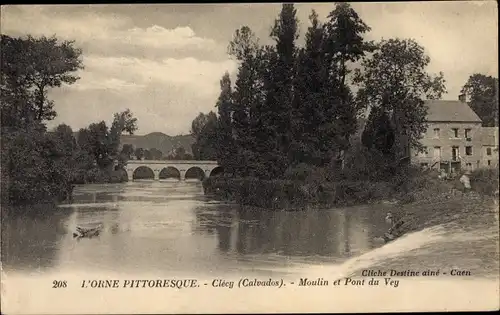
point(461, 98)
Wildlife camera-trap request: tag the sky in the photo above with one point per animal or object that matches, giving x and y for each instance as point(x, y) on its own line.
point(164, 61)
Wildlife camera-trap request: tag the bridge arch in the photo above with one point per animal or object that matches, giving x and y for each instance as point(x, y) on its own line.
point(141, 169)
point(170, 172)
point(121, 173)
point(143, 172)
point(217, 171)
point(195, 172)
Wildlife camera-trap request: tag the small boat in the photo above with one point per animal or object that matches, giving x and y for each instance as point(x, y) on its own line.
point(87, 232)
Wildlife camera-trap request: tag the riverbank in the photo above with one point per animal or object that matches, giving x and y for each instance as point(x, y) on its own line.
point(464, 210)
point(317, 191)
point(415, 202)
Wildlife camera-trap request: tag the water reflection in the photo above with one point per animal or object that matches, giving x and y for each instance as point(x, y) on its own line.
point(320, 232)
point(30, 241)
point(172, 226)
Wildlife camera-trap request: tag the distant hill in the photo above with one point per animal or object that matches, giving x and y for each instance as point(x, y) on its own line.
point(165, 143)
point(160, 141)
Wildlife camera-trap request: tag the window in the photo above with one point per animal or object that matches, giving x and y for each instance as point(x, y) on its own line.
point(436, 132)
point(489, 162)
point(454, 153)
point(455, 132)
point(467, 133)
point(437, 152)
point(488, 151)
point(468, 150)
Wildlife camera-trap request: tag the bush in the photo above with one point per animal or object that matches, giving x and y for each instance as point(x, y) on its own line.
point(485, 181)
point(309, 185)
point(364, 164)
point(33, 168)
point(283, 194)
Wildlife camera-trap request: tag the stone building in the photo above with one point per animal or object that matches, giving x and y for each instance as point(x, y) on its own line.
point(455, 140)
point(489, 150)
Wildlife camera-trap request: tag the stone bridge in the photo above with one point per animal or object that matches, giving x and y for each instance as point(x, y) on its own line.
point(173, 169)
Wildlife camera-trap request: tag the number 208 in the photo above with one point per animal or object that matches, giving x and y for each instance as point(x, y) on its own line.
point(58, 284)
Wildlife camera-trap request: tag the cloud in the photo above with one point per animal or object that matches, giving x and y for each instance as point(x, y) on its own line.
point(44, 20)
point(164, 95)
point(165, 61)
point(108, 34)
point(114, 72)
point(157, 36)
point(166, 76)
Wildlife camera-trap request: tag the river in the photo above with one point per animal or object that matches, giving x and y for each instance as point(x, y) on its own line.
point(170, 229)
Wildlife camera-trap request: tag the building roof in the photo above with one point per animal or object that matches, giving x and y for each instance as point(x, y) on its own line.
point(489, 136)
point(452, 111)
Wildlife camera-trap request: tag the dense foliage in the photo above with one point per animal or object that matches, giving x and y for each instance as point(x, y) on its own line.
point(204, 131)
point(35, 166)
point(482, 93)
point(295, 105)
point(39, 166)
point(98, 147)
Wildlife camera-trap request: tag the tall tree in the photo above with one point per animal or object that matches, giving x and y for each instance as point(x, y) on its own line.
point(204, 131)
point(102, 143)
point(395, 79)
point(99, 144)
point(123, 122)
point(225, 146)
point(310, 97)
point(345, 44)
point(378, 133)
point(67, 152)
point(279, 102)
point(30, 66)
point(35, 166)
point(246, 98)
point(482, 94)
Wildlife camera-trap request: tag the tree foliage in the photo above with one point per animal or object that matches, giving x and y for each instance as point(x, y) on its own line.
point(482, 94)
point(36, 166)
point(378, 133)
point(139, 153)
point(395, 79)
point(102, 144)
point(246, 98)
point(293, 106)
point(30, 66)
point(204, 131)
point(156, 154)
point(225, 147)
point(310, 103)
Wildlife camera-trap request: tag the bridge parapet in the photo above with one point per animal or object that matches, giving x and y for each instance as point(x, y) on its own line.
point(194, 162)
point(181, 166)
